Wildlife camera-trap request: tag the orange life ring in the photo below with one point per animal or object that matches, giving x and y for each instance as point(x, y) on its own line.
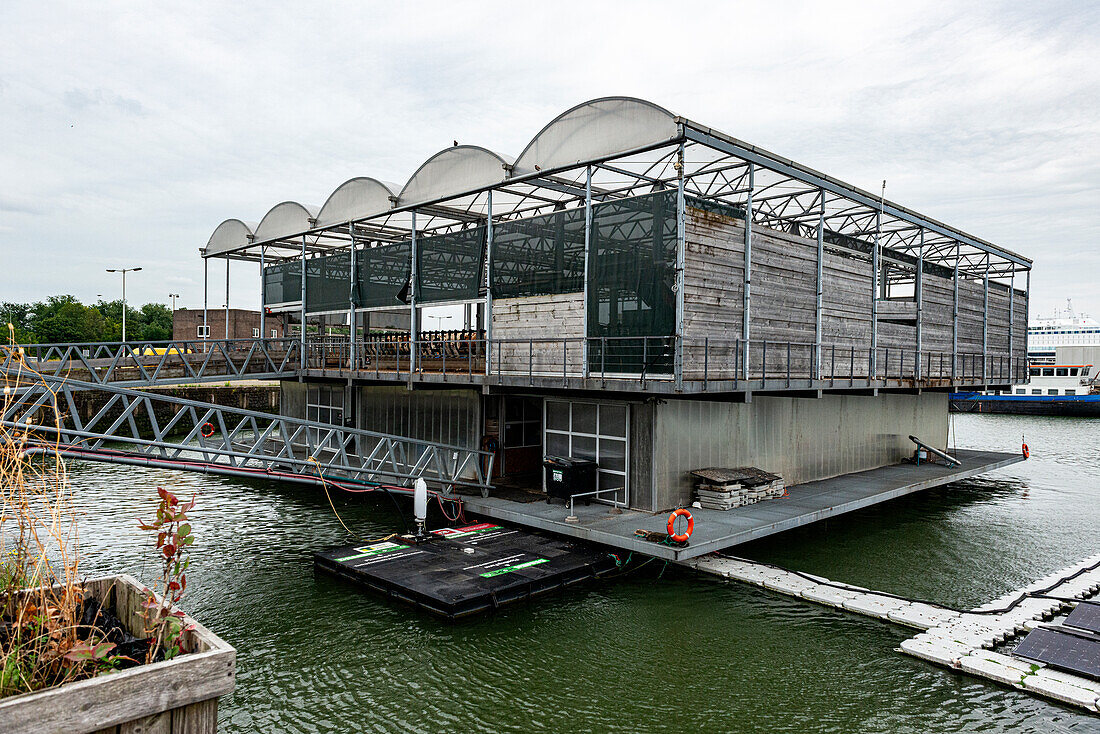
point(206, 433)
point(678, 537)
point(1027, 453)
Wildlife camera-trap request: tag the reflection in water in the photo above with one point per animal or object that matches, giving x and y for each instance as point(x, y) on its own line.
point(637, 654)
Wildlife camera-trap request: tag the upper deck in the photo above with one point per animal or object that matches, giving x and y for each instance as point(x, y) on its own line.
point(630, 249)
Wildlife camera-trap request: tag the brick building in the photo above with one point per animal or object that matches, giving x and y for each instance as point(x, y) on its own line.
point(243, 324)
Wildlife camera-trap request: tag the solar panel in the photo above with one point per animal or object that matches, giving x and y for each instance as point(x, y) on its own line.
point(1085, 616)
point(1069, 652)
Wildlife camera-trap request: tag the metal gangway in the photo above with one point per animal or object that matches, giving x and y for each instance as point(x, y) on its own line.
point(151, 429)
point(139, 364)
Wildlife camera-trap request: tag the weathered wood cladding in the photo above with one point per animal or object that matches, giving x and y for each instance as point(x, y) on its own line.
point(784, 298)
point(783, 311)
point(532, 330)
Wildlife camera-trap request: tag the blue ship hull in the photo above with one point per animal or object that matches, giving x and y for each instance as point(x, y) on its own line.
point(1068, 405)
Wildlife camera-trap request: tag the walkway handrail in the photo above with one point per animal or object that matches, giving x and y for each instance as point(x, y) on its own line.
point(171, 430)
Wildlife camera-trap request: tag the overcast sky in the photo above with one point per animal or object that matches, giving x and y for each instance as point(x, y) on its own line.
point(128, 133)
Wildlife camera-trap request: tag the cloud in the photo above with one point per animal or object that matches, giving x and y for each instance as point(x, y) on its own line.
point(138, 129)
point(80, 100)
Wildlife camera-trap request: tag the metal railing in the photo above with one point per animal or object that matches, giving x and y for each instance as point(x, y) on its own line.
point(160, 362)
point(135, 427)
point(711, 363)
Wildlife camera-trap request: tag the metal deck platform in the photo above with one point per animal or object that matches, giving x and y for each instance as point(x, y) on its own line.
point(717, 530)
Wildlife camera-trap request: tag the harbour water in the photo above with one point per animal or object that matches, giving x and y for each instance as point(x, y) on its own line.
point(659, 649)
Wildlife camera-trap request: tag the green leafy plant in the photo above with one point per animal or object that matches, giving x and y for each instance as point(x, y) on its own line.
point(164, 623)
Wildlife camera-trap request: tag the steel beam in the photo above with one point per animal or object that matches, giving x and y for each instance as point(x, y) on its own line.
point(919, 286)
point(488, 280)
point(414, 324)
point(985, 322)
point(746, 330)
point(681, 246)
point(955, 322)
point(820, 286)
point(876, 277)
point(587, 248)
point(303, 309)
point(731, 146)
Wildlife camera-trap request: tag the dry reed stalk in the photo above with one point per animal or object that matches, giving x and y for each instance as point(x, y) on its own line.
point(40, 593)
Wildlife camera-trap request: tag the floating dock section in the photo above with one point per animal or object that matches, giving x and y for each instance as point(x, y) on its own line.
point(717, 530)
point(984, 641)
point(467, 570)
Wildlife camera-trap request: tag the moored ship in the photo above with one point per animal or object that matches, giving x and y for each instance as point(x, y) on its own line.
point(1064, 379)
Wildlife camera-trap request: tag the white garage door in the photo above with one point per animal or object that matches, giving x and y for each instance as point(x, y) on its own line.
point(599, 431)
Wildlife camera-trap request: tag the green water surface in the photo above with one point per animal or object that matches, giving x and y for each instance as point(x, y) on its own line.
point(680, 653)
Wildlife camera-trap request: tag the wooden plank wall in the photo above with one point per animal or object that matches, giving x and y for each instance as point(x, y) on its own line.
point(783, 309)
point(714, 291)
point(970, 315)
point(936, 327)
point(546, 319)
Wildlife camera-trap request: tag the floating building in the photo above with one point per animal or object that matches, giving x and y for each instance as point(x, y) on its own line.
point(641, 290)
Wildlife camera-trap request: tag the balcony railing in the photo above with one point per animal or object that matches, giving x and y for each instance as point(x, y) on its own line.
point(707, 363)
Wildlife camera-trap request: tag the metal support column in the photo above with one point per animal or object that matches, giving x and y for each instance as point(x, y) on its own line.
point(205, 296)
point(488, 279)
point(587, 246)
point(985, 322)
point(414, 324)
point(1011, 319)
point(820, 286)
point(876, 278)
point(302, 335)
point(919, 287)
point(263, 295)
point(227, 298)
point(1027, 314)
point(746, 332)
point(681, 246)
point(351, 300)
point(955, 317)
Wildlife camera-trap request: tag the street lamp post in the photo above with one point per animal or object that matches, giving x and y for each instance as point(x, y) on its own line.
point(439, 321)
point(123, 271)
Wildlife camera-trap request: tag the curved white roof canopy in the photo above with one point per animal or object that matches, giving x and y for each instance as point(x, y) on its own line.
point(356, 198)
point(454, 171)
point(284, 220)
point(597, 129)
point(232, 234)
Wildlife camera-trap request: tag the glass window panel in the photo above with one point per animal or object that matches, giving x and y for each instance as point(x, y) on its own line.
point(557, 415)
point(630, 282)
point(557, 444)
point(449, 266)
point(328, 282)
point(382, 275)
point(311, 413)
point(612, 454)
point(513, 409)
point(541, 255)
point(513, 434)
point(584, 447)
point(613, 420)
point(584, 418)
point(532, 433)
point(612, 481)
point(283, 282)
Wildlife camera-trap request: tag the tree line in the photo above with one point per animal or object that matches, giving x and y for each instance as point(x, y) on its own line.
point(66, 319)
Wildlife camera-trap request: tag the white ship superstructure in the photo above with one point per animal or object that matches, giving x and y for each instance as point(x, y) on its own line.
point(1064, 329)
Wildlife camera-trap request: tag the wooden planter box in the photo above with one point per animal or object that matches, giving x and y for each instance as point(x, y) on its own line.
point(178, 696)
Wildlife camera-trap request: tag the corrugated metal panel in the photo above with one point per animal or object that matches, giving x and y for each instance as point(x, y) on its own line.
point(442, 416)
point(800, 439)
